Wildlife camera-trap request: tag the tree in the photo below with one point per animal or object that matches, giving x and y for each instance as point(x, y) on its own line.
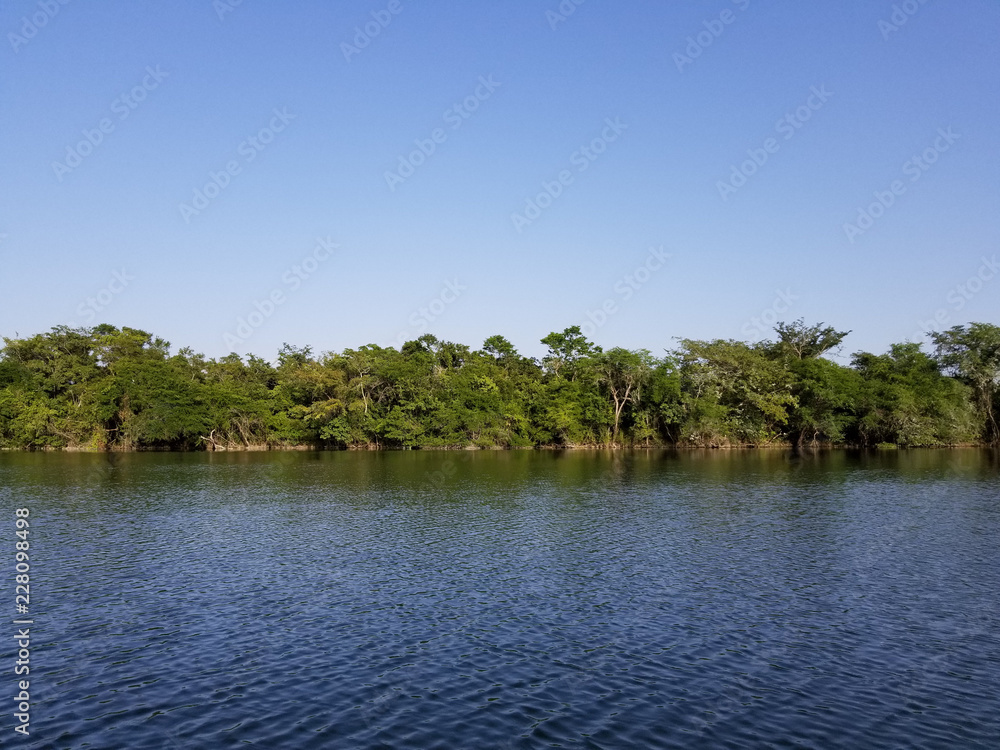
point(736, 392)
point(662, 407)
point(120, 388)
point(972, 354)
point(905, 399)
point(825, 394)
point(247, 408)
point(807, 342)
point(566, 349)
point(622, 372)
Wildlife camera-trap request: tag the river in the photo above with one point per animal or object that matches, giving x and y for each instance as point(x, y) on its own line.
point(521, 599)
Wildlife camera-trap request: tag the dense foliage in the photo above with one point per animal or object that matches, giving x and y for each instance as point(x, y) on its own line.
point(109, 388)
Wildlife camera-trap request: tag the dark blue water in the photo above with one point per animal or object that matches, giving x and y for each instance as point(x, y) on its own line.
point(508, 600)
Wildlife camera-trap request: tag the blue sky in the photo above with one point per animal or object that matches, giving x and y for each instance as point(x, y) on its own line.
point(303, 123)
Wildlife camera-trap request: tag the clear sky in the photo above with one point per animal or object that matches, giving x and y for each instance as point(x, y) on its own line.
point(503, 168)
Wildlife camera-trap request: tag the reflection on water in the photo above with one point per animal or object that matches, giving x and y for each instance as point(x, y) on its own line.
point(512, 599)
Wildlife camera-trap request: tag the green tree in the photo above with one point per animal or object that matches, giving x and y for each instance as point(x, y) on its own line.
point(825, 396)
point(120, 388)
point(623, 374)
point(566, 350)
point(824, 391)
point(799, 341)
point(972, 354)
point(735, 392)
point(905, 399)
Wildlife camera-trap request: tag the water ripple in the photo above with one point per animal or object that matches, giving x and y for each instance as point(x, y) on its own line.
point(586, 601)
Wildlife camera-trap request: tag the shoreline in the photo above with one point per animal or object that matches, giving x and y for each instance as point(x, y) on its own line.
point(498, 448)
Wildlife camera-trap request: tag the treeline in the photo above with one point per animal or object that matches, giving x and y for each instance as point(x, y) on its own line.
point(106, 388)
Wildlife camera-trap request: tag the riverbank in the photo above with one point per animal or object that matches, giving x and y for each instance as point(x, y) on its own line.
point(788, 446)
point(122, 389)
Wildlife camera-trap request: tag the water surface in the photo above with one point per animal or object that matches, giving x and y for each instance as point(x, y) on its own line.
point(509, 600)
